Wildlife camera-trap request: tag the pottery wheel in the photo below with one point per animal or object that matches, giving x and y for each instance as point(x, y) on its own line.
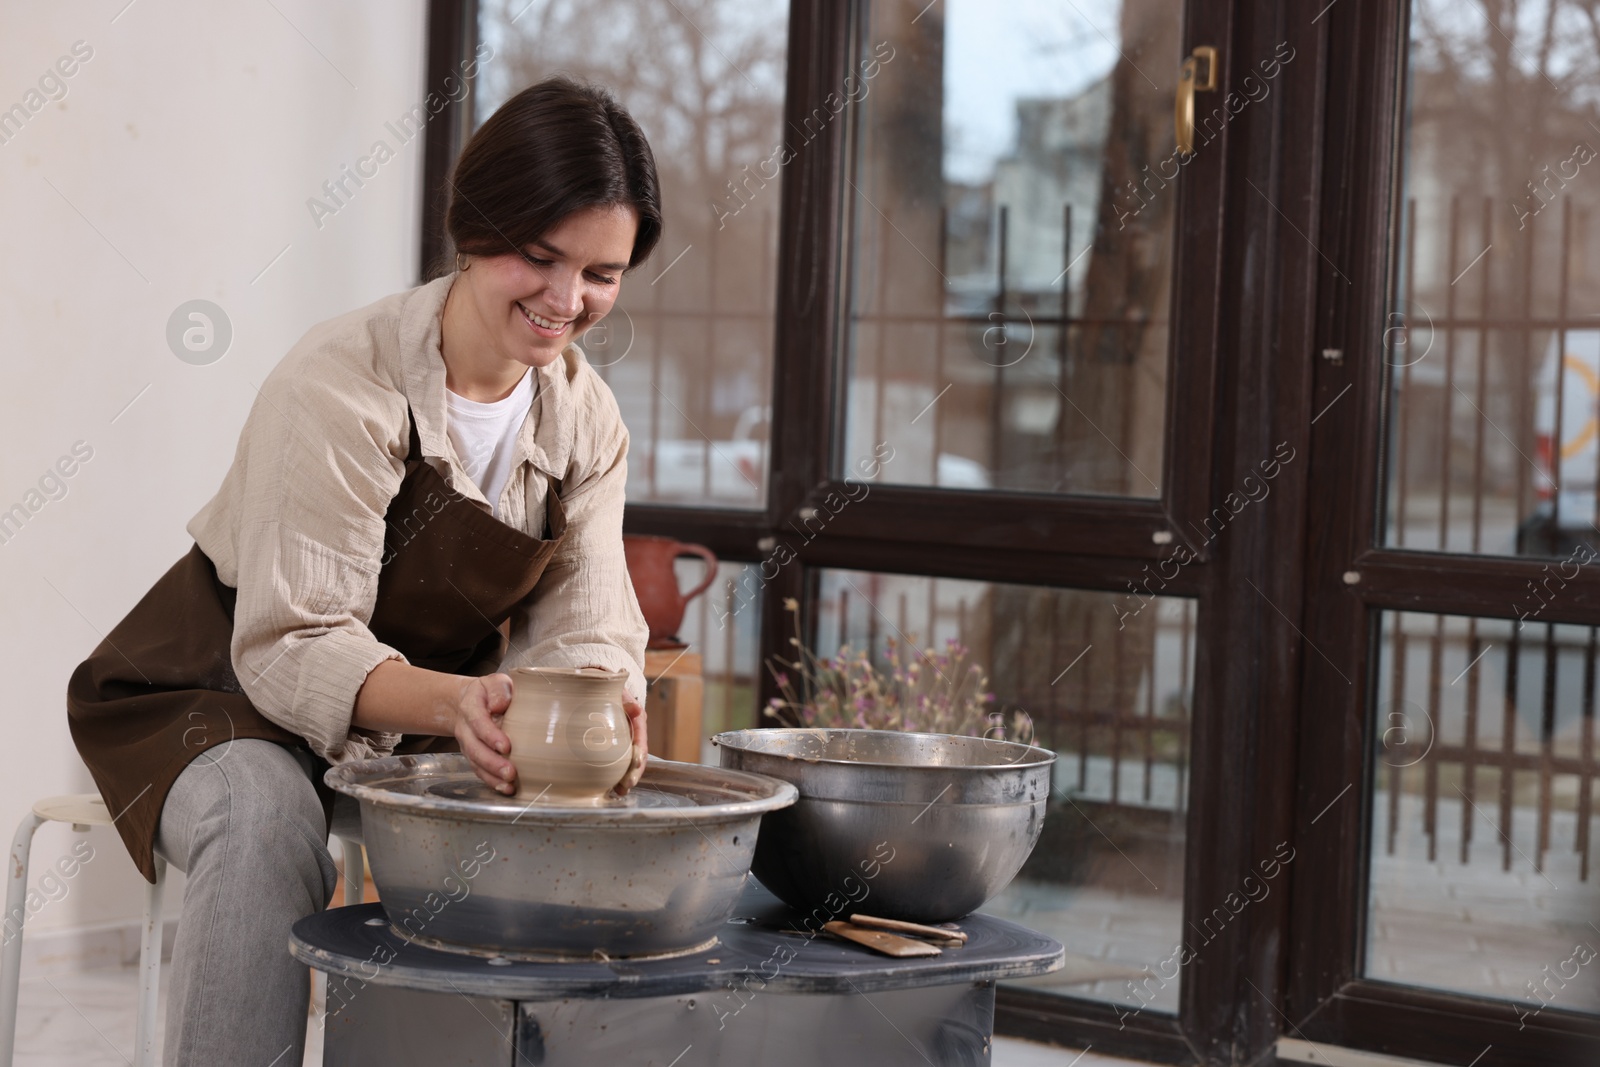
point(464, 868)
point(443, 784)
point(474, 789)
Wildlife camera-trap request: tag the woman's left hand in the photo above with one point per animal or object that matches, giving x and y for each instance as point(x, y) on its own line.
point(641, 744)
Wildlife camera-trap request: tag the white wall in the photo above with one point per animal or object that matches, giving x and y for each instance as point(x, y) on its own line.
point(187, 146)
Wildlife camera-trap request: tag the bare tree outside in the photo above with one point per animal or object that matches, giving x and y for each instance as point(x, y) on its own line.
point(1499, 268)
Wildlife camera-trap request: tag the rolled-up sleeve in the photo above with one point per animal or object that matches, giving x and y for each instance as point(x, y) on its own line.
point(583, 611)
point(316, 483)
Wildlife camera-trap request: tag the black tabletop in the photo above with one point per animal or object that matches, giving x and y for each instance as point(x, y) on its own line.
point(754, 952)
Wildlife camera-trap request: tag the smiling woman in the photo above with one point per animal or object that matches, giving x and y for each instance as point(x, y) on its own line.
point(554, 198)
point(427, 495)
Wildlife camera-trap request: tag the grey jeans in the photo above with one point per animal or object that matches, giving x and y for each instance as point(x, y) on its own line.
point(243, 822)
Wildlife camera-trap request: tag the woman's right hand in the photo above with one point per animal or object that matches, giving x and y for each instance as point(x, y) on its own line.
point(480, 704)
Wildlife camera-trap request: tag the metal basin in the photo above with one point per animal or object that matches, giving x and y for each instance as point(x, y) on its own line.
point(460, 867)
point(923, 827)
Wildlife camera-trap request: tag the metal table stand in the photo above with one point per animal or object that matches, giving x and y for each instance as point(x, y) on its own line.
point(764, 994)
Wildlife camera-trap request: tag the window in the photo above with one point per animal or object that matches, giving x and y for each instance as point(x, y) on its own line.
point(1011, 246)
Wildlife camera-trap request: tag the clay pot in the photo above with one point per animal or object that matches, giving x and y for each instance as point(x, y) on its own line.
point(570, 740)
point(654, 583)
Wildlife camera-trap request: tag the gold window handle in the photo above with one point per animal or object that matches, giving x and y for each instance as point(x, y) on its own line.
point(1188, 85)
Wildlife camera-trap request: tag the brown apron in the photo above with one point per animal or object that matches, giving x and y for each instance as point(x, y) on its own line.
point(161, 689)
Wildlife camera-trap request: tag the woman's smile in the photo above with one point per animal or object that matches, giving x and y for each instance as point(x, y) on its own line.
point(544, 327)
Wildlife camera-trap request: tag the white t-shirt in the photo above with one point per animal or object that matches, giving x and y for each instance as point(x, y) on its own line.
point(485, 435)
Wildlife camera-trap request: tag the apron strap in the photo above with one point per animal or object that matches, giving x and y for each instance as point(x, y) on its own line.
point(414, 450)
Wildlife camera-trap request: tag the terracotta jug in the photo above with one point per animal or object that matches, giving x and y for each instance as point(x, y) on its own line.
point(654, 583)
point(570, 740)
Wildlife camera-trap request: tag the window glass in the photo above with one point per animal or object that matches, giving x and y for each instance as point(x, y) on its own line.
point(1493, 334)
point(1106, 681)
point(1013, 195)
point(1482, 798)
point(723, 627)
point(688, 347)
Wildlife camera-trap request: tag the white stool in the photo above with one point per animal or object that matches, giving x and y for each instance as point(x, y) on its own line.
point(84, 810)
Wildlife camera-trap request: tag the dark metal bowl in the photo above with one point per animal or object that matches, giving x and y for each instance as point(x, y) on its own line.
point(922, 827)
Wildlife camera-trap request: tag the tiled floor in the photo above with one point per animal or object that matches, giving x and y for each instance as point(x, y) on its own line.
point(87, 1019)
point(1009, 1052)
point(84, 1018)
point(1478, 928)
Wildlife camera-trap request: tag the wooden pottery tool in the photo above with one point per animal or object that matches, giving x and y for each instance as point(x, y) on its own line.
point(900, 926)
point(882, 941)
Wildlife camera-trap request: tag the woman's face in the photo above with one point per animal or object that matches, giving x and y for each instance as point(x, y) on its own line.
point(532, 306)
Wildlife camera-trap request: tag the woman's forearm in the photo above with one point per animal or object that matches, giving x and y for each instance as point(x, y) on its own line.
point(404, 699)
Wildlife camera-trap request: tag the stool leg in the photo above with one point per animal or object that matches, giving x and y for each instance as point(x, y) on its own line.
point(144, 1042)
point(11, 923)
point(355, 872)
point(319, 997)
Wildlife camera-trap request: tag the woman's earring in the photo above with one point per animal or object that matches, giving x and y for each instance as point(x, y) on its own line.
point(461, 263)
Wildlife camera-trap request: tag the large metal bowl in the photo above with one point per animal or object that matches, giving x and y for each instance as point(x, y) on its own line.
point(922, 827)
point(460, 867)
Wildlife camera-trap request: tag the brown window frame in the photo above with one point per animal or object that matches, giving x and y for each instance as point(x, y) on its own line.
point(1353, 579)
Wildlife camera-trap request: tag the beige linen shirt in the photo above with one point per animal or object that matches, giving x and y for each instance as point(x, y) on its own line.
point(297, 527)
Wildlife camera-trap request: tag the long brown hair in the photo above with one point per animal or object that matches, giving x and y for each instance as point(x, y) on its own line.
point(550, 150)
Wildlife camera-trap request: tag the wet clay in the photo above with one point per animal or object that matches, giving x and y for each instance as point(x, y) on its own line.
point(569, 735)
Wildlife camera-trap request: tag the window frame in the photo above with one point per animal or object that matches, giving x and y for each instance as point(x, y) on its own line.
point(1355, 579)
